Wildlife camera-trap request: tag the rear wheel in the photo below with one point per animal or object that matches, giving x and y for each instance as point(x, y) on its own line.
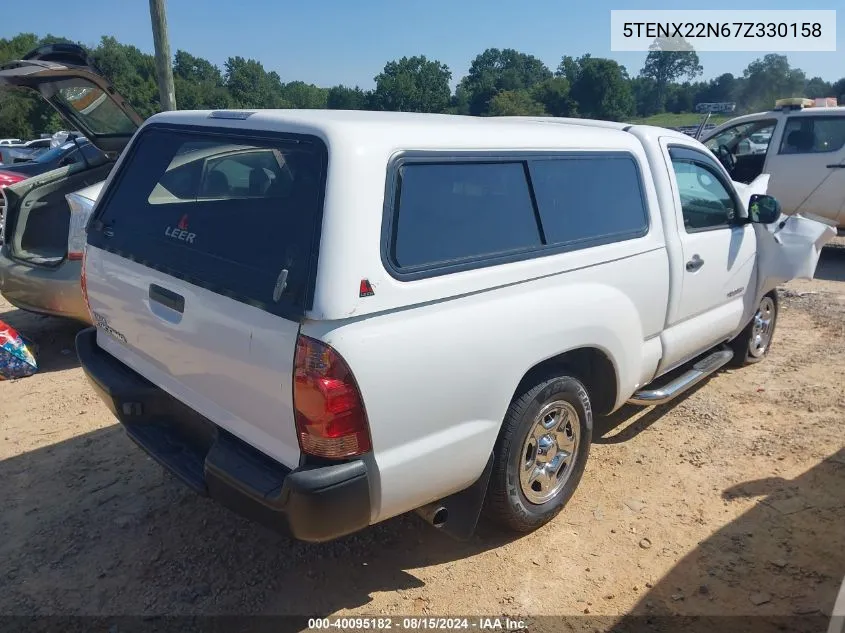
point(540, 454)
point(753, 343)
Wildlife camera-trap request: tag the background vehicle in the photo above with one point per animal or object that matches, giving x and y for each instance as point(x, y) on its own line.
point(10, 141)
point(250, 306)
point(801, 146)
point(74, 152)
point(44, 234)
point(26, 151)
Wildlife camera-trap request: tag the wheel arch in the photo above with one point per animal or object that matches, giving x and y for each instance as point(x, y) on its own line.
point(591, 365)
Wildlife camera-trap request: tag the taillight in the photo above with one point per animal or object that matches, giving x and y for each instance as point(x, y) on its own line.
point(330, 417)
point(80, 210)
point(10, 178)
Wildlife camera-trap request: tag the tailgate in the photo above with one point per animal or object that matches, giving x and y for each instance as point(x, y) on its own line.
point(200, 265)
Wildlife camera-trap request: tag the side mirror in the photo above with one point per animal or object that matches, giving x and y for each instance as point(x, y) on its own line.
point(763, 209)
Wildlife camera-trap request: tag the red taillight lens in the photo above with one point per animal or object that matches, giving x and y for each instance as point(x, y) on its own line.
point(10, 178)
point(330, 417)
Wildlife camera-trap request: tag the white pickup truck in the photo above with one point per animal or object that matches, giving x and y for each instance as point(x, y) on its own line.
point(324, 319)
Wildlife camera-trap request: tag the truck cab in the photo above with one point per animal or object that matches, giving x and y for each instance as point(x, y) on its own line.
point(800, 143)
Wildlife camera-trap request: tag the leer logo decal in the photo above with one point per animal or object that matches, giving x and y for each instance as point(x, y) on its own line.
point(365, 288)
point(181, 232)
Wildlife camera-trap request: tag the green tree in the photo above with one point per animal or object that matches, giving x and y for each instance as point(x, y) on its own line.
point(345, 98)
point(23, 114)
point(132, 73)
point(667, 66)
point(201, 95)
point(195, 69)
point(302, 95)
point(601, 87)
point(723, 88)
point(251, 86)
point(644, 91)
point(570, 67)
point(681, 98)
point(818, 87)
point(554, 95)
point(496, 70)
point(838, 90)
point(769, 79)
point(199, 84)
point(459, 104)
point(515, 103)
point(413, 84)
point(18, 46)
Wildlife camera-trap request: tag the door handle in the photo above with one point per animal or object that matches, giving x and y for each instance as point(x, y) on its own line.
point(167, 298)
point(837, 166)
point(695, 263)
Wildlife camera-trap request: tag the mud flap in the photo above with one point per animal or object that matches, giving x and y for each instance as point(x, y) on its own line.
point(789, 249)
point(464, 507)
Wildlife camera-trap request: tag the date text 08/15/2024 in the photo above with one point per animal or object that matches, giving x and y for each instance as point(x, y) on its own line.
point(417, 623)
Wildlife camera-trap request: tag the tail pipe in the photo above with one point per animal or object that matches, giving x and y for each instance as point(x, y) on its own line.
point(457, 514)
point(435, 514)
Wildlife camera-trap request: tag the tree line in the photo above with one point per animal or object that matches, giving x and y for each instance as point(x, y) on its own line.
point(500, 82)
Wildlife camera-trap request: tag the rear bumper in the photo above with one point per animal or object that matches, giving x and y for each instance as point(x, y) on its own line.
point(312, 503)
point(53, 291)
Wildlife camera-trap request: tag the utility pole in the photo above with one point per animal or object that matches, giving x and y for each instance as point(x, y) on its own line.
point(164, 67)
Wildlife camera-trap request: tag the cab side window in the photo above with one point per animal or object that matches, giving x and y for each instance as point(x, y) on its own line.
point(813, 135)
point(705, 203)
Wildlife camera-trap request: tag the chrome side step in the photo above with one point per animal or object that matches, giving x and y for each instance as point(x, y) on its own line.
point(698, 372)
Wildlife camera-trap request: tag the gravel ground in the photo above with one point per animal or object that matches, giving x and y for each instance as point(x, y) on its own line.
point(728, 501)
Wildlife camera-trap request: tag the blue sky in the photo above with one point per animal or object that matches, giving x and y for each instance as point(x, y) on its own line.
point(328, 42)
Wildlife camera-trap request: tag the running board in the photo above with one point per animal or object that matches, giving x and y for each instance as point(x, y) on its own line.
point(696, 374)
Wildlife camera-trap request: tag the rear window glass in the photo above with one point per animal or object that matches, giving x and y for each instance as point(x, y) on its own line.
point(92, 107)
point(459, 211)
point(588, 198)
point(238, 216)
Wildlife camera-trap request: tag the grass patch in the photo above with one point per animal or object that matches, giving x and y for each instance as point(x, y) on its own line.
point(668, 119)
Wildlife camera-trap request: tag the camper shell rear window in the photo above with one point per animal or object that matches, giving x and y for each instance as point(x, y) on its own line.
point(236, 212)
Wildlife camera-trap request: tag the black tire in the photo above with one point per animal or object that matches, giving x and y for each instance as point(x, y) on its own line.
point(506, 503)
point(745, 352)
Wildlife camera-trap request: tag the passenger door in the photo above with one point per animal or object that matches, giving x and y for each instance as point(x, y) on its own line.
point(808, 168)
point(718, 253)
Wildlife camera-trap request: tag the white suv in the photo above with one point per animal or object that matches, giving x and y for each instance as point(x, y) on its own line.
point(324, 319)
point(801, 148)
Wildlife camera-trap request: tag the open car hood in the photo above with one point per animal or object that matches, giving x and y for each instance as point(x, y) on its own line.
point(65, 76)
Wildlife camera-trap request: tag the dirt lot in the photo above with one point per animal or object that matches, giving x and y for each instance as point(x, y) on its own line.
point(730, 501)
